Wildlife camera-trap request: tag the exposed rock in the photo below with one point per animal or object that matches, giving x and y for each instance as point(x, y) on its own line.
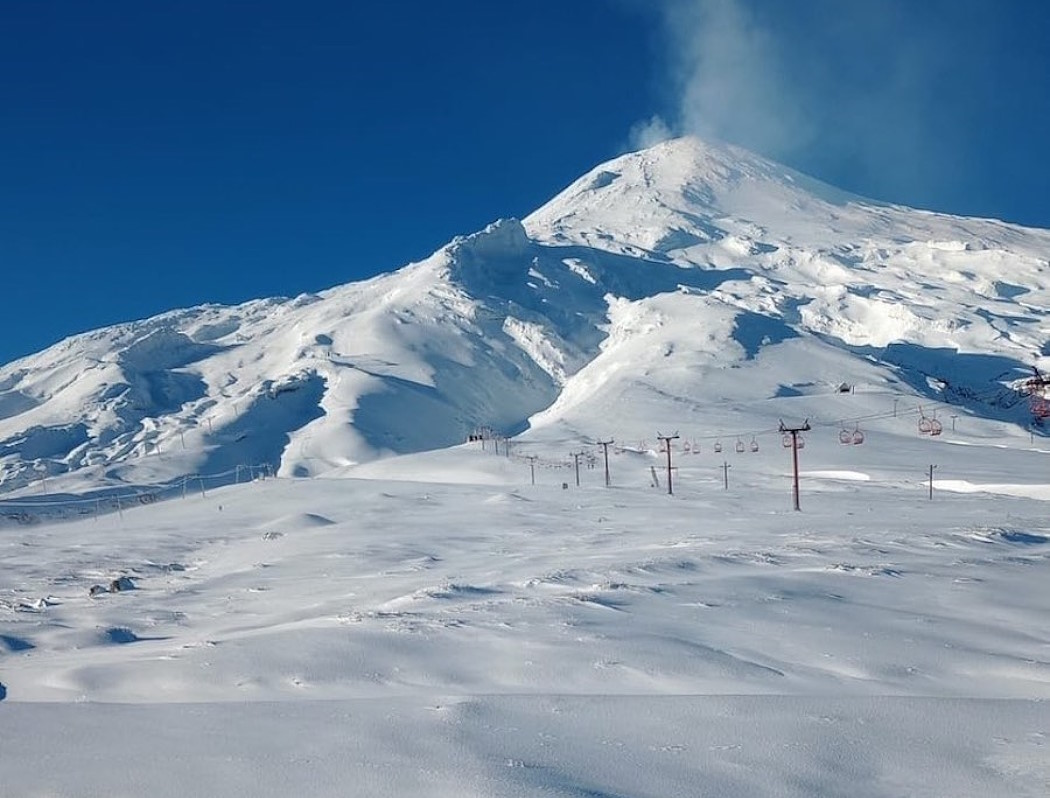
point(120, 584)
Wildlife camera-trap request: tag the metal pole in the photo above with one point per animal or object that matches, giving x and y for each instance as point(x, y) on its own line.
point(725, 475)
point(669, 490)
point(605, 448)
point(532, 467)
point(667, 445)
point(793, 432)
point(931, 481)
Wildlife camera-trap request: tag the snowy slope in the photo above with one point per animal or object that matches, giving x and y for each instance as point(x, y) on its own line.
point(692, 271)
point(410, 636)
point(471, 621)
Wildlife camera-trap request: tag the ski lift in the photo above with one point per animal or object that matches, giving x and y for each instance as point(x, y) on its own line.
point(936, 428)
point(687, 447)
point(858, 436)
point(786, 441)
point(718, 446)
point(739, 445)
point(1036, 389)
point(754, 444)
point(801, 442)
point(925, 424)
point(852, 437)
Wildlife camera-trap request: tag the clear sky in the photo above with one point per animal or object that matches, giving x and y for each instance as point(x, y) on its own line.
point(156, 155)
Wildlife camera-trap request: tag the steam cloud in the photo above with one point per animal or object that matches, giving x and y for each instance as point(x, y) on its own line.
point(728, 77)
point(834, 88)
point(726, 80)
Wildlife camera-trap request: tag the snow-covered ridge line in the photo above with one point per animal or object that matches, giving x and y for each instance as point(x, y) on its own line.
point(689, 276)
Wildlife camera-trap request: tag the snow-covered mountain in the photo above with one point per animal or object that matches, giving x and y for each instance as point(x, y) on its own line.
point(453, 623)
point(692, 284)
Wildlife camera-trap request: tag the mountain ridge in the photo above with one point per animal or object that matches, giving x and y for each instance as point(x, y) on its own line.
point(693, 272)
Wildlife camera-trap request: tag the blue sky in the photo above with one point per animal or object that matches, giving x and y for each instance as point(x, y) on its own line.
point(161, 154)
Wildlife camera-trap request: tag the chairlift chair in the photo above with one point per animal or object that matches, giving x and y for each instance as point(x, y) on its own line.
point(858, 436)
point(936, 428)
point(718, 446)
point(845, 436)
point(739, 445)
point(754, 444)
point(786, 441)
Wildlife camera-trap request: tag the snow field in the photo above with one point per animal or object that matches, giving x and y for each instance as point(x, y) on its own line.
point(459, 636)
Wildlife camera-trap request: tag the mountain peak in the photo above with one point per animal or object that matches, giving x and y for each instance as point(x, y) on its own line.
point(691, 190)
point(673, 284)
point(682, 189)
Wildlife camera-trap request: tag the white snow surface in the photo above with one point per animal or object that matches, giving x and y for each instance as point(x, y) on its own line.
point(331, 594)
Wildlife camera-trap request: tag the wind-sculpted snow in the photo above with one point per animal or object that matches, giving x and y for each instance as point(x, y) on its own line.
point(440, 625)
